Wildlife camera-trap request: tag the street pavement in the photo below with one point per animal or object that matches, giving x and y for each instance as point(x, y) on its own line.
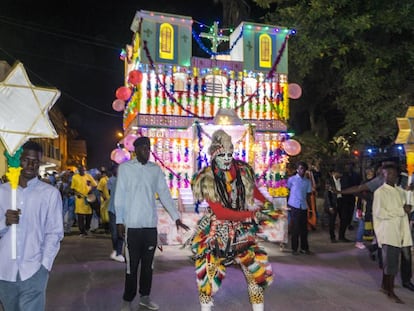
point(334, 277)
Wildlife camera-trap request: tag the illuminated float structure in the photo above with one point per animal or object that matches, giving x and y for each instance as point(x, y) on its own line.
point(179, 100)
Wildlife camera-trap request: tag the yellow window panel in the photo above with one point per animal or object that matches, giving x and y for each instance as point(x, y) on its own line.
point(265, 51)
point(166, 43)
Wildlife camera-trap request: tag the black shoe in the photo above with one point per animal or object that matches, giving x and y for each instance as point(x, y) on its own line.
point(334, 241)
point(306, 252)
point(345, 240)
point(409, 286)
point(295, 253)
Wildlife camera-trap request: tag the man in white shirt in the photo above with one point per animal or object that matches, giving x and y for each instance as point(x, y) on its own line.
point(137, 184)
point(391, 226)
point(39, 230)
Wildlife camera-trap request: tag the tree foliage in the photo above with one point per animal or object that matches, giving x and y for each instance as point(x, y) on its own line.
point(355, 63)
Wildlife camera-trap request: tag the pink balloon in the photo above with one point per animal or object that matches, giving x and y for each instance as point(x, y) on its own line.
point(118, 105)
point(129, 141)
point(292, 147)
point(120, 155)
point(135, 77)
point(123, 93)
point(295, 91)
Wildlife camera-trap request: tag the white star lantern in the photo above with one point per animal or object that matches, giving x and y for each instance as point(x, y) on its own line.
point(24, 110)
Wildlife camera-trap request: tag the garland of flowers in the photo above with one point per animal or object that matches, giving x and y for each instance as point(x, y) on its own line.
point(177, 175)
point(200, 159)
point(268, 76)
point(278, 189)
point(165, 88)
point(270, 73)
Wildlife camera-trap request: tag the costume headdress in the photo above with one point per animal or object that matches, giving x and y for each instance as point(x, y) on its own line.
point(204, 184)
point(220, 143)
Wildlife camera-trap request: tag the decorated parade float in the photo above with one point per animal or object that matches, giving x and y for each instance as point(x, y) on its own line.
point(179, 100)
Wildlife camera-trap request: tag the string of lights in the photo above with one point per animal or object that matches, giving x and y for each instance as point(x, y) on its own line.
point(209, 51)
point(63, 92)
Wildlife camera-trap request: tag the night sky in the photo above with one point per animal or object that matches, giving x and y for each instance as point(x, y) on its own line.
point(74, 46)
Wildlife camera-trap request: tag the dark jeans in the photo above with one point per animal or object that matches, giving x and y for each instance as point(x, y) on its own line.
point(84, 223)
point(299, 229)
point(141, 245)
point(344, 216)
point(348, 202)
point(332, 221)
point(117, 241)
point(406, 264)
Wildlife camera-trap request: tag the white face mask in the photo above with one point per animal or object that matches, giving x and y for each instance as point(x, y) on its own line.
point(224, 160)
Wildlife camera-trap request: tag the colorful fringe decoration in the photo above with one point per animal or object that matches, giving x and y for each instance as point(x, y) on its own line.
point(209, 241)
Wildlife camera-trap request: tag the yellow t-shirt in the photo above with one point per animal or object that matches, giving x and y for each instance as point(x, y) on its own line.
point(102, 187)
point(80, 185)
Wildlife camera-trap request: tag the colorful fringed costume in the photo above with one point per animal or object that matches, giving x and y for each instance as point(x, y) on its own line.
point(226, 234)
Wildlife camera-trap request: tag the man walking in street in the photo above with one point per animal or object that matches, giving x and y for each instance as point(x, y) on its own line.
point(138, 182)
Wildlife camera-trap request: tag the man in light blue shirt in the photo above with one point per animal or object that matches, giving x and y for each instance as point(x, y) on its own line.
point(138, 182)
point(300, 188)
point(39, 230)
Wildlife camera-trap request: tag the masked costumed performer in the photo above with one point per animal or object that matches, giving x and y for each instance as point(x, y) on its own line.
point(226, 233)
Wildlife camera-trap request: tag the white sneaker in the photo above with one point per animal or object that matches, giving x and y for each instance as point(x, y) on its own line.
point(360, 245)
point(147, 303)
point(206, 306)
point(119, 258)
point(258, 306)
point(113, 255)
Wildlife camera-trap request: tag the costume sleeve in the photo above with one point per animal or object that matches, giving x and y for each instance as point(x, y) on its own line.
point(227, 214)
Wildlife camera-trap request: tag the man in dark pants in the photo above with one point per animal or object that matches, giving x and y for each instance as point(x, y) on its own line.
point(299, 199)
point(138, 181)
point(349, 179)
point(331, 201)
point(406, 257)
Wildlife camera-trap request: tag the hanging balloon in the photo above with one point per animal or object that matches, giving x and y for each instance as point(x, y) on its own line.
point(118, 105)
point(291, 147)
point(295, 91)
point(123, 93)
point(129, 141)
point(135, 77)
point(120, 155)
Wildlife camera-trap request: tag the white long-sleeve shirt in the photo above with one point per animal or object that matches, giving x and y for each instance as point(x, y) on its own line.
point(391, 223)
point(136, 187)
point(39, 231)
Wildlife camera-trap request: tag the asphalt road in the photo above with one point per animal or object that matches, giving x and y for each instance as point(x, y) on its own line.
point(335, 277)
